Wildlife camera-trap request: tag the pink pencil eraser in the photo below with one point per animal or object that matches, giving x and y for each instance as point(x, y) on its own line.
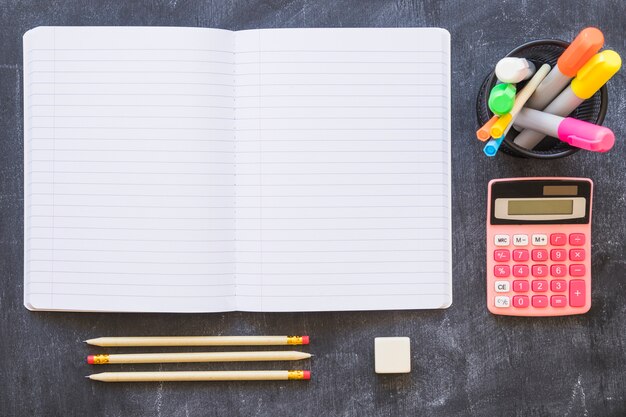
point(305, 340)
point(307, 375)
point(90, 359)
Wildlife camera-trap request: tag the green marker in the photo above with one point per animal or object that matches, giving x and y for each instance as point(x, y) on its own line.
point(502, 98)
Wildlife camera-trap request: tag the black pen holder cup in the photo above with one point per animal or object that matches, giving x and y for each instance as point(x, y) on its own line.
point(541, 52)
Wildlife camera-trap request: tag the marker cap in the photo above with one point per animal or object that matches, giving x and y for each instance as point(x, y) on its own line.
point(595, 73)
point(491, 148)
point(587, 43)
point(586, 135)
point(498, 128)
point(502, 98)
point(514, 70)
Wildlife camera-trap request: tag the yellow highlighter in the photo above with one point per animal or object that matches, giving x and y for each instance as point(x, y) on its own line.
point(498, 128)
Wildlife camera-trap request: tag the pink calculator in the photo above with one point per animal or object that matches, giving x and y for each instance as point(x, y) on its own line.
point(538, 246)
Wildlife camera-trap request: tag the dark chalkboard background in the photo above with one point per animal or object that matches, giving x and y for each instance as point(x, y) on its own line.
point(466, 362)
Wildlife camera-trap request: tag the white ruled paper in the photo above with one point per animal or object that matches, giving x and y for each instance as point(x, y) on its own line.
point(343, 181)
point(129, 150)
point(190, 170)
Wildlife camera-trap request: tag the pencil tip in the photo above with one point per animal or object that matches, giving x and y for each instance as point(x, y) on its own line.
point(87, 376)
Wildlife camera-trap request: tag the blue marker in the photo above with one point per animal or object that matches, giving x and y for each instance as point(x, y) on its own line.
point(491, 148)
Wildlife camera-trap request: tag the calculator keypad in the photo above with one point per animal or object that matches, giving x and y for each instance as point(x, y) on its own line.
point(539, 271)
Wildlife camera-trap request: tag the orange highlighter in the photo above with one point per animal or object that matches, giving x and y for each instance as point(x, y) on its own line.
point(588, 42)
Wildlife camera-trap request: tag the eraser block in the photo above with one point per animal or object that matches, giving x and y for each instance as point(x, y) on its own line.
point(392, 355)
point(90, 359)
point(305, 340)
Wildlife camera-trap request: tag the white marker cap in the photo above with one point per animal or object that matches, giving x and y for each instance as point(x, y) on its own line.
point(513, 70)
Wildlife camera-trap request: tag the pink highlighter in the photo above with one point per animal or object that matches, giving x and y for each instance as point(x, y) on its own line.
point(576, 132)
point(538, 246)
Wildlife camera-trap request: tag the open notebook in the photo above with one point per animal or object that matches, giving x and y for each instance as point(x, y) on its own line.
point(200, 170)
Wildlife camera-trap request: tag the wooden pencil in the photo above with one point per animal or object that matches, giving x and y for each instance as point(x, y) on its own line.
point(201, 376)
point(197, 357)
point(199, 341)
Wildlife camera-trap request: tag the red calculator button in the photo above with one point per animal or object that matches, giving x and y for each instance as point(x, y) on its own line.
point(540, 270)
point(520, 286)
point(520, 301)
point(540, 301)
point(520, 270)
point(577, 293)
point(501, 271)
point(558, 301)
point(520, 255)
point(558, 255)
point(540, 255)
point(540, 285)
point(558, 270)
point(558, 285)
point(501, 255)
point(576, 254)
point(558, 239)
point(577, 239)
point(577, 270)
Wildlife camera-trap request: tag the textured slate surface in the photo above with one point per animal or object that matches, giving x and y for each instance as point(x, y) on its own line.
point(466, 362)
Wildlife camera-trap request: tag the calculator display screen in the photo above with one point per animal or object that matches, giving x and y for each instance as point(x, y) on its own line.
point(539, 207)
point(540, 201)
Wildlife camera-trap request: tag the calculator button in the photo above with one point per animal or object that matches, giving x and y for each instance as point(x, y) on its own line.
point(501, 240)
point(558, 270)
point(558, 301)
point(558, 285)
point(540, 301)
point(540, 285)
point(520, 240)
point(577, 294)
point(502, 301)
point(540, 254)
point(558, 254)
point(558, 239)
point(540, 240)
point(520, 301)
point(577, 270)
point(577, 239)
point(520, 286)
point(501, 255)
point(520, 255)
point(520, 270)
point(576, 254)
point(503, 286)
point(501, 271)
point(540, 270)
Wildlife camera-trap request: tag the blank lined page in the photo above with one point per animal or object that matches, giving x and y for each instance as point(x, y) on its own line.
point(129, 169)
point(343, 169)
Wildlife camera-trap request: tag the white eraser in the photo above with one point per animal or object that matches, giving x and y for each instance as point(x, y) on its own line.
point(513, 70)
point(392, 355)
